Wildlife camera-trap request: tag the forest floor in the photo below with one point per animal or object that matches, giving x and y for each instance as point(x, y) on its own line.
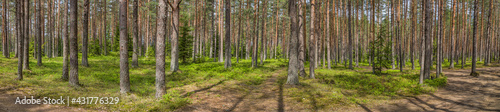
point(462, 93)
point(207, 86)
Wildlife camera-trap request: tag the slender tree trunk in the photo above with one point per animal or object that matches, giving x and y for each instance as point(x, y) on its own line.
point(350, 33)
point(255, 39)
point(293, 64)
point(135, 36)
point(474, 40)
point(73, 43)
point(328, 33)
point(221, 32)
point(452, 32)
point(487, 35)
point(124, 70)
point(38, 34)
point(5, 41)
point(413, 33)
point(239, 33)
point(104, 40)
point(65, 71)
point(174, 63)
point(428, 39)
point(312, 45)
point(302, 37)
point(85, 33)
point(26, 35)
point(160, 49)
point(263, 35)
point(20, 40)
point(227, 63)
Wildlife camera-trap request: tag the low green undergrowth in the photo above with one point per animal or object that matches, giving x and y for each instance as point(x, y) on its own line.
point(101, 79)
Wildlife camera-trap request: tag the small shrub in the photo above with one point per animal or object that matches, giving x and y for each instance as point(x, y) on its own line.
point(438, 82)
point(174, 101)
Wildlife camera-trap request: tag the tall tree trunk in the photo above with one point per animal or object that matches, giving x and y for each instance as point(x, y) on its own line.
point(221, 40)
point(19, 13)
point(255, 41)
point(349, 33)
point(65, 71)
point(312, 45)
point(195, 31)
point(263, 35)
point(160, 49)
point(26, 35)
point(302, 37)
point(413, 33)
point(85, 34)
point(5, 41)
point(227, 63)
point(328, 33)
point(73, 43)
point(428, 38)
point(293, 64)
point(239, 34)
point(38, 34)
point(452, 37)
point(135, 35)
point(174, 63)
point(487, 35)
point(124, 70)
point(105, 49)
point(474, 40)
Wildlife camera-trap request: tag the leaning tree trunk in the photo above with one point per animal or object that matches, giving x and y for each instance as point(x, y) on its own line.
point(124, 70)
point(227, 63)
point(73, 43)
point(160, 49)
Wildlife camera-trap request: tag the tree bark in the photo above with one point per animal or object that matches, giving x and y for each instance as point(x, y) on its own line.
point(293, 64)
point(349, 33)
point(26, 35)
point(302, 37)
point(105, 49)
point(312, 45)
point(20, 40)
point(135, 35)
point(65, 71)
point(174, 63)
point(5, 41)
point(474, 39)
point(452, 37)
point(428, 39)
point(73, 43)
point(124, 69)
point(160, 49)
point(227, 63)
point(328, 33)
point(85, 34)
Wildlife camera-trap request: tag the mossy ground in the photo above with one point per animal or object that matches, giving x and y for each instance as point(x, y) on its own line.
point(331, 88)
